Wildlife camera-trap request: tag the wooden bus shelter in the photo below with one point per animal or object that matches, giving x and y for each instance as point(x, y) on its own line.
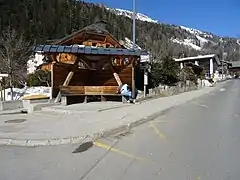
point(89, 63)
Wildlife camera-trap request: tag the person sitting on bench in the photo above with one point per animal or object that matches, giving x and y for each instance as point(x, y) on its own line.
point(125, 90)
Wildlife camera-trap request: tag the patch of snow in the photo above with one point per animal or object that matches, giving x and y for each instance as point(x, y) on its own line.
point(129, 44)
point(129, 14)
point(187, 42)
point(26, 91)
point(238, 41)
point(197, 34)
point(191, 30)
point(207, 83)
point(201, 39)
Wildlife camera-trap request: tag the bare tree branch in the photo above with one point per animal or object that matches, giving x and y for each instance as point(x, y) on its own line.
point(14, 53)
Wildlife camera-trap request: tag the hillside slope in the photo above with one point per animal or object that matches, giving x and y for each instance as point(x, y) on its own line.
point(52, 19)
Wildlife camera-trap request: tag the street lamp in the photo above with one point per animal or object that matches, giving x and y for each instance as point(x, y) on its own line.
point(134, 23)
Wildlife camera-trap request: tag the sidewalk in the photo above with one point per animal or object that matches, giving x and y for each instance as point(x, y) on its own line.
point(63, 127)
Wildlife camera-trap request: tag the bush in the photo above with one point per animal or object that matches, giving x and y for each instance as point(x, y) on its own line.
point(187, 73)
point(165, 72)
point(39, 78)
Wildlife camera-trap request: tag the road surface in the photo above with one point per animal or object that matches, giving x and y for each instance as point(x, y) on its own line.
point(199, 140)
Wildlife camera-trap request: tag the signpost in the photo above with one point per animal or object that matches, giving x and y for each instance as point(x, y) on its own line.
point(2, 86)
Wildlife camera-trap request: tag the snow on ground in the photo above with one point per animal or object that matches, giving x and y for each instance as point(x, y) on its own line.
point(207, 83)
point(202, 40)
point(187, 42)
point(238, 41)
point(197, 32)
point(129, 44)
point(26, 91)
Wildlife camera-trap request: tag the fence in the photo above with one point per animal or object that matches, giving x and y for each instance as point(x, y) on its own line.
point(181, 87)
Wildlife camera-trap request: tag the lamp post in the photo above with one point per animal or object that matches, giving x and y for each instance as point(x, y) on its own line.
point(134, 42)
point(134, 24)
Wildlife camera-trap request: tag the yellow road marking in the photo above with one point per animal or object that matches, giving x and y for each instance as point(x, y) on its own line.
point(157, 131)
point(160, 121)
point(198, 178)
point(105, 146)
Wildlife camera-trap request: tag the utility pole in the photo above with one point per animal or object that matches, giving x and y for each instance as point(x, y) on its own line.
point(134, 24)
point(222, 70)
point(134, 45)
point(224, 57)
point(10, 77)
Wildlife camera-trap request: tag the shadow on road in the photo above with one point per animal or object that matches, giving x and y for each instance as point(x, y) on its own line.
point(83, 147)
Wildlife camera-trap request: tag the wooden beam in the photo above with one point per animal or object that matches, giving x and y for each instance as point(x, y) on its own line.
point(66, 82)
point(116, 76)
point(52, 79)
point(85, 64)
point(53, 57)
point(88, 90)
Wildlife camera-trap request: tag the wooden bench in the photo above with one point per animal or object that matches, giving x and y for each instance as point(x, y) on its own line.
point(105, 92)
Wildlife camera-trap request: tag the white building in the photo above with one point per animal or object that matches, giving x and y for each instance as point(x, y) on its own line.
point(34, 62)
point(209, 62)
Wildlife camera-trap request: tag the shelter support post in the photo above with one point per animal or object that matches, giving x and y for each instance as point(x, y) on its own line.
point(133, 78)
point(181, 65)
point(1, 89)
point(211, 67)
point(145, 81)
point(52, 80)
point(64, 101)
point(116, 76)
point(66, 82)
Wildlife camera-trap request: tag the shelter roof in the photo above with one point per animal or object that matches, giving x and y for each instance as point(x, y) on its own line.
point(200, 58)
point(235, 64)
point(97, 28)
point(82, 49)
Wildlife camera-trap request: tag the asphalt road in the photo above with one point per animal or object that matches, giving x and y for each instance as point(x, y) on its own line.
point(199, 140)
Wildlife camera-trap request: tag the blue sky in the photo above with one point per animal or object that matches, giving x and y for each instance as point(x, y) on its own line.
point(221, 17)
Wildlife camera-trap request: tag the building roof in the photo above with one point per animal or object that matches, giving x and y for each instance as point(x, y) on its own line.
point(199, 58)
point(226, 62)
point(98, 27)
point(235, 64)
point(81, 49)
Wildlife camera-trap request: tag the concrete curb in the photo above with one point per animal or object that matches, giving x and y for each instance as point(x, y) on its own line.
point(74, 140)
point(41, 142)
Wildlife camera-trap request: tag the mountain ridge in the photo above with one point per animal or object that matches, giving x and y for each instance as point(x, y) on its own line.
point(203, 37)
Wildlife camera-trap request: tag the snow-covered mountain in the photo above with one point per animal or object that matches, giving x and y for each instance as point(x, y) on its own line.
point(127, 13)
point(196, 39)
point(201, 36)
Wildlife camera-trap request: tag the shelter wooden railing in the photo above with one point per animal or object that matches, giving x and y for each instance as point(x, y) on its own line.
point(103, 91)
point(88, 90)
